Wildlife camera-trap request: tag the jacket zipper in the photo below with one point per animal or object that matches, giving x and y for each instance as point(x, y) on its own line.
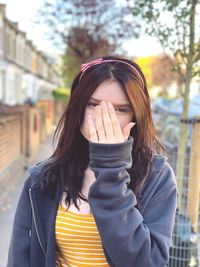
point(35, 222)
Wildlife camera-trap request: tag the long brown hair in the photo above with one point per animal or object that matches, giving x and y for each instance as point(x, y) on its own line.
point(71, 156)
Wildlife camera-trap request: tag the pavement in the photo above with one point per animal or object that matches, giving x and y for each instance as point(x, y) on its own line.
point(9, 203)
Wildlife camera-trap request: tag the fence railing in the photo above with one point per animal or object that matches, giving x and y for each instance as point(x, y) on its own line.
point(185, 246)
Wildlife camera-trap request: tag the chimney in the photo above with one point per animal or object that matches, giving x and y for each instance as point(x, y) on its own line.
point(3, 9)
point(15, 25)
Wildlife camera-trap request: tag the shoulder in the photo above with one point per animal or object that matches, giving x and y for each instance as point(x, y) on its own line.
point(163, 171)
point(160, 179)
point(35, 172)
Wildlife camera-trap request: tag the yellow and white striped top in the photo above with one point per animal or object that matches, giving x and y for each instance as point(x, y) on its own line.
point(78, 241)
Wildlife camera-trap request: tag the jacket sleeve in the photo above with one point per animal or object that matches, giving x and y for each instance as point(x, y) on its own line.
point(19, 250)
point(130, 239)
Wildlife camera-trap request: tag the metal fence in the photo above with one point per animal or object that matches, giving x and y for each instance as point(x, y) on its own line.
point(185, 245)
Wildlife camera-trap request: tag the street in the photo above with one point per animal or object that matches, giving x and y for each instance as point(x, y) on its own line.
point(9, 203)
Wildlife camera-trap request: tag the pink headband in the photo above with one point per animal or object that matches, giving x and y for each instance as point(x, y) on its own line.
point(98, 61)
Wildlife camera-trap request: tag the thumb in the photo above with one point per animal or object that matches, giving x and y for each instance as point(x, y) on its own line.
point(127, 129)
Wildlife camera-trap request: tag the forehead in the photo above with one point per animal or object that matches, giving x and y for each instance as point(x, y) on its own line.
point(110, 91)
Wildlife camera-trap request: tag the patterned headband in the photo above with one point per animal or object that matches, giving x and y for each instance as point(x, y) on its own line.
point(98, 61)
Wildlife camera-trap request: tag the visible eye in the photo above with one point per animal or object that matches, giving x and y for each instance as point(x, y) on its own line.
point(92, 104)
point(117, 109)
point(123, 110)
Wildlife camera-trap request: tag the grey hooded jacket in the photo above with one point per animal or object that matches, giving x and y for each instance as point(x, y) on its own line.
point(130, 238)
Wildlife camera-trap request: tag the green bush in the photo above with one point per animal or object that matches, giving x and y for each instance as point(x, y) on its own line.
point(61, 93)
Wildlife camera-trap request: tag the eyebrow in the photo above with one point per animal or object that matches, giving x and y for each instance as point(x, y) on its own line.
point(114, 104)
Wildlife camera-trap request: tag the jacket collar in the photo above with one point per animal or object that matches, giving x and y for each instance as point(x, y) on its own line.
point(44, 209)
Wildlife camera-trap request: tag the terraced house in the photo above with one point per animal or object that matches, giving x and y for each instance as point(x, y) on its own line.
point(28, 110)
point(25, 73)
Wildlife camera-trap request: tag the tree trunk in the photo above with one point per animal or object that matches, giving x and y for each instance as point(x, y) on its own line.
point(182, 145)
point(184, 125)
point(193, 195)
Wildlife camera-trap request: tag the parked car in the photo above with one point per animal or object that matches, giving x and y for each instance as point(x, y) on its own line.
point(167, 114)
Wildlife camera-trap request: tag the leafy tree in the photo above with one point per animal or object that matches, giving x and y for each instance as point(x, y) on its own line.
point(70, 66)
point(163, 74)
point(174, 23)
point(158, 71)
point(146, 64)
point(86, 29)
point(84, 48)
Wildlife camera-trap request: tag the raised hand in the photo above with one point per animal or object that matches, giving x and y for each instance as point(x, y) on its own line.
point(106, 128)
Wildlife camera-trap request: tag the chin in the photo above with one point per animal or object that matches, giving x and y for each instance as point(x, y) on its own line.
point(85, 135)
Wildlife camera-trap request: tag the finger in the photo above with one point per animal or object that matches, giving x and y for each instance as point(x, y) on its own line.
point(115, 123)
point(99, 123)
point(106, 121)
point(92, 130)
point(127, 129)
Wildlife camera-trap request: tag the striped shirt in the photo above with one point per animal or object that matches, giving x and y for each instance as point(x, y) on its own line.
point(77, 240)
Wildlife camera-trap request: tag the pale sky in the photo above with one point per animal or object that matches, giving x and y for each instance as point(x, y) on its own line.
point(24, 12)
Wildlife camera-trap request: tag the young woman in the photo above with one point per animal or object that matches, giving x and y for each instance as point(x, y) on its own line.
point(107, 196)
